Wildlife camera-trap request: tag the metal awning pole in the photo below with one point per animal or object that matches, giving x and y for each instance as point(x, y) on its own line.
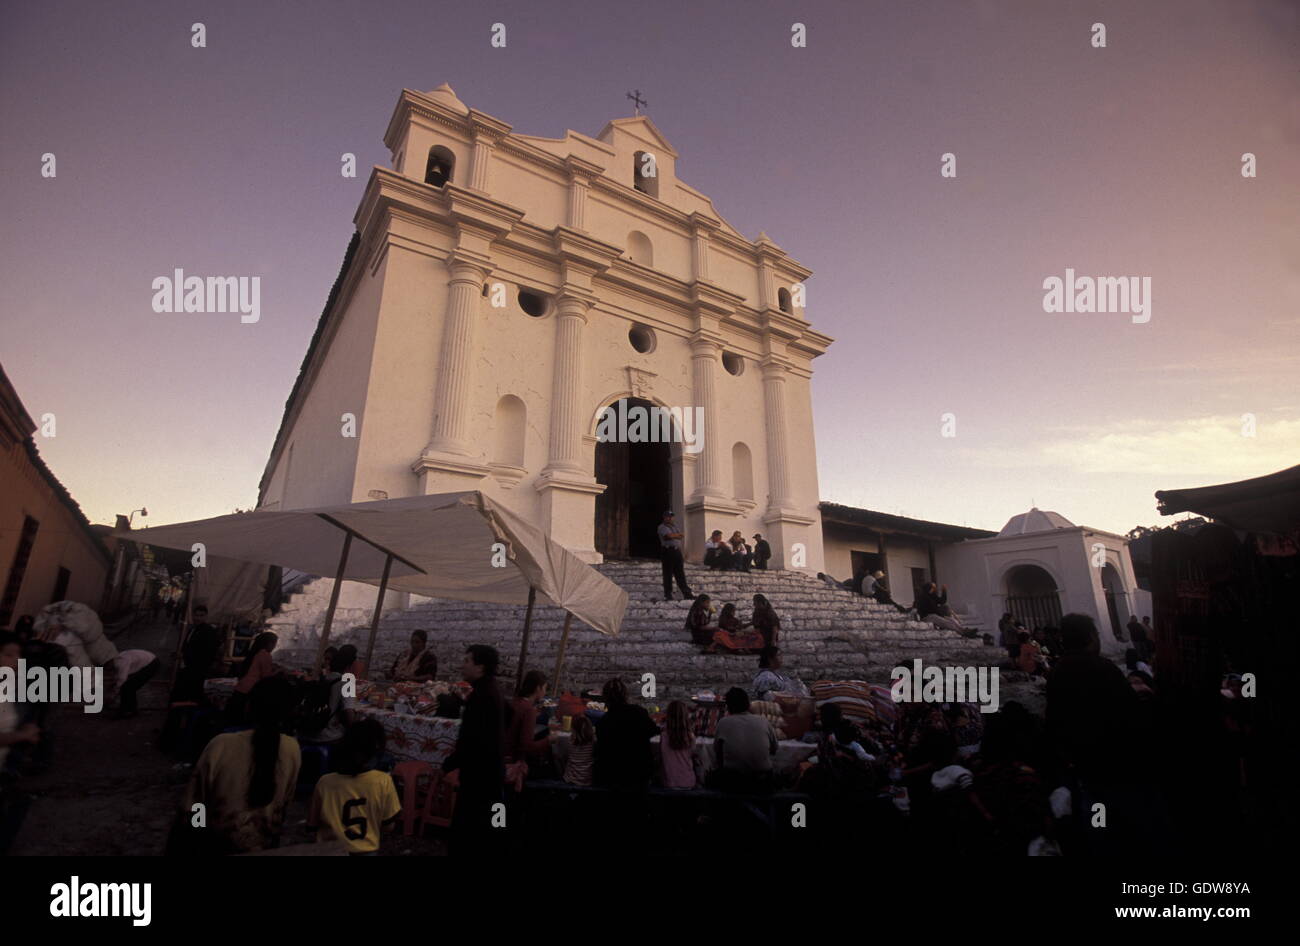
point(334, 601)
point(379, 606)
point(559, 658)
point(523, 648)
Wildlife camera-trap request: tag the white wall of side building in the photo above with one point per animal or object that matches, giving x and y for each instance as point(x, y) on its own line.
point(975, 572)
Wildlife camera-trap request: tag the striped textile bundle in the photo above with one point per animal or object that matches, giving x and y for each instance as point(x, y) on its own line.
point(854, 697)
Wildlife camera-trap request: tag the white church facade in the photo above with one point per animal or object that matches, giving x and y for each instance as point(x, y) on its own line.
point(502, 289)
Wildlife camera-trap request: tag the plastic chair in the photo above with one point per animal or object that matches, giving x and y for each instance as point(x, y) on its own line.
point(440, 802)
point(414, 802)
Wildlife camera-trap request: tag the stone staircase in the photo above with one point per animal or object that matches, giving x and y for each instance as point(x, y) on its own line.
point(826, 633)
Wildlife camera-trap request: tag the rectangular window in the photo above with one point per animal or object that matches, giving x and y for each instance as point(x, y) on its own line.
point(18, 569)
point(61, 586)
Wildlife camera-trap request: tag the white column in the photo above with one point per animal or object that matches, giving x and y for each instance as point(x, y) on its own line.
point(778, 477)
point(566, 387)
point(480, 163)
point(704, 356)
point(456, 360)
point(700, 257)
point(577, 203)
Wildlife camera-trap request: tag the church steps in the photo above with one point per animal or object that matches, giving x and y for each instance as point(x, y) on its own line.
point(826, 633)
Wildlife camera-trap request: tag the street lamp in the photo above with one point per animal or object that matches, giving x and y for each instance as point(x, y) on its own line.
point(142, 511)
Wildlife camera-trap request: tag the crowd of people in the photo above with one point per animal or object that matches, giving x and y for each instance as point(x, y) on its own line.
point(946, 775)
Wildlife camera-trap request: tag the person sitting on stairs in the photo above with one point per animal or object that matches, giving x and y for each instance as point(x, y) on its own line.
point(697, 621)
point(880, 591)
point(741, 554)
point(717, 553)
point(932, 606)
point(732, 636)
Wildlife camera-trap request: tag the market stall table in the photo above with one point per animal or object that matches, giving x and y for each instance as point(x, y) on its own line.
point(410, 736)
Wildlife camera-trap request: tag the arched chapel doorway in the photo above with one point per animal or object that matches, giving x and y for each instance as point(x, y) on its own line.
point(637, 476)
point(1032, 596)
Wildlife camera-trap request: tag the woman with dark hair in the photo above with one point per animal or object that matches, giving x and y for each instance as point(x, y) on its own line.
point(418, 664)
point(731, 634)
point(521, 741)
point(697, 621)
point(245, 780)
point(623, 734)
point(256, 667)
point(765, 621)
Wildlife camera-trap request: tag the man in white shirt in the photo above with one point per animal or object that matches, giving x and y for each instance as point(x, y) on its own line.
point(132, 669)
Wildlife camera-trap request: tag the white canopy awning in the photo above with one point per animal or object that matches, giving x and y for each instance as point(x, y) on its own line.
point(441, 546)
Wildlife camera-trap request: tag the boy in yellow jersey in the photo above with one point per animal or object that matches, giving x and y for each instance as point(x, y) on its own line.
point(354, 804)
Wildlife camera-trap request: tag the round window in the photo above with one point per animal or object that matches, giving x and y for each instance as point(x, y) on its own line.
point(733, 362)
point(533, 303)
point(642, 339)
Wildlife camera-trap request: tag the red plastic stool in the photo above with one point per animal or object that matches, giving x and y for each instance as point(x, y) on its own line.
point(414, 802)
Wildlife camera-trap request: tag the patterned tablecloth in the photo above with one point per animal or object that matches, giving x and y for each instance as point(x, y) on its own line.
point(411, 736)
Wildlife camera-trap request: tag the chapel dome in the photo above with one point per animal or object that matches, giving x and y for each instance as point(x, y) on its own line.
point(1036, 520)
point(447, 96)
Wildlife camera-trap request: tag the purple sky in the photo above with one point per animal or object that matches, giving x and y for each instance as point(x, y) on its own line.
point(1115, 161)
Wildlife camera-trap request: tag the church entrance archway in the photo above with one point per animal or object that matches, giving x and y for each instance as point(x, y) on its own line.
point(638, 488)
point(1032, 596)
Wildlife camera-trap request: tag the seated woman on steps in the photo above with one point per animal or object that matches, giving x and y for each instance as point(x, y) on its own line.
point(732, 635)
point(697, 621)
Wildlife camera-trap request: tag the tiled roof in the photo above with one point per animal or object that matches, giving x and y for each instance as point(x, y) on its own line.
point(851, 515)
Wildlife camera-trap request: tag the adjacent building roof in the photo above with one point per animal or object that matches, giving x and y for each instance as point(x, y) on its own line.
point(18, 424)
point(1035, 520)
point(1264, 504)
point(836, 514)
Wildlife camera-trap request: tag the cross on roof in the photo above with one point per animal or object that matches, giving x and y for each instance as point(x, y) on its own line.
point(638, 102)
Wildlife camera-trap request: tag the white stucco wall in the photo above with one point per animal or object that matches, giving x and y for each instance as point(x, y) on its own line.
point(975, 572)
point(384, 361)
